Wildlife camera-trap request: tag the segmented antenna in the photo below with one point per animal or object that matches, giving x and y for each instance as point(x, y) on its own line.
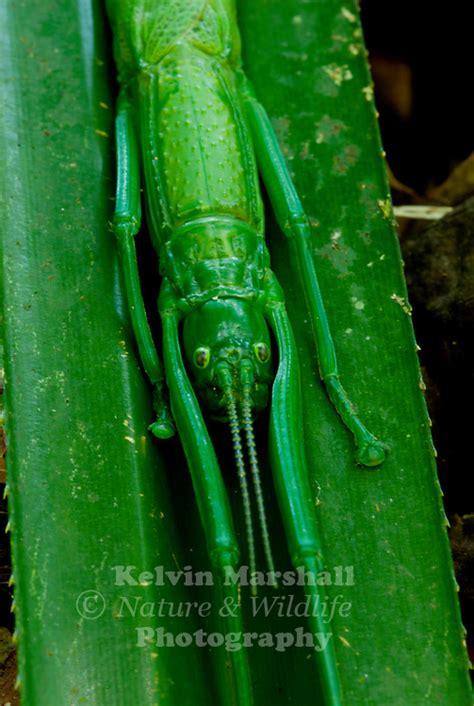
point(239, 460)
point(252, 449)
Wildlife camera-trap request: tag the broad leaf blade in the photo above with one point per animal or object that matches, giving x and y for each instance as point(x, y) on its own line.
point(85, 498)
point(402, 640)
point(88, 491)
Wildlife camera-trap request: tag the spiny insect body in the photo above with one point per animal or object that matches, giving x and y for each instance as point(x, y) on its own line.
point(191, 131)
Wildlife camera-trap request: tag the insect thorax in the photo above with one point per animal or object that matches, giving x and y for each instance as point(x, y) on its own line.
point(202, 189)
point(215, 257)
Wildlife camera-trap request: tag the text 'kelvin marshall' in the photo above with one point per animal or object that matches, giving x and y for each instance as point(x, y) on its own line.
point(159, 576)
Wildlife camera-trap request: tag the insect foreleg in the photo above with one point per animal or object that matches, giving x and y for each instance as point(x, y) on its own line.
point(126, 224)
point(292, 486)
point(208, 486)
point(294, 223)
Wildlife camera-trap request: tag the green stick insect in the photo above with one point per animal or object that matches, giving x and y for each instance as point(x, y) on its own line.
point(190, 129)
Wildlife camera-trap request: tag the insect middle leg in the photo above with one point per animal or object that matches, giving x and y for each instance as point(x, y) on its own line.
point(294, 223)
point(126, 224)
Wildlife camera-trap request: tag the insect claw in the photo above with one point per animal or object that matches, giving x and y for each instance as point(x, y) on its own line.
point(162, 430)
point(371, 453)
point(163, 427)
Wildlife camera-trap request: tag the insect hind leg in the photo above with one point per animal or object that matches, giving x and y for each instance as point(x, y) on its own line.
point(294, 223)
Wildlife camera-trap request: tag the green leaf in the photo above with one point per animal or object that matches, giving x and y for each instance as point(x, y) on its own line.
point(402, 642)
point(90, 490)
point(87, 487)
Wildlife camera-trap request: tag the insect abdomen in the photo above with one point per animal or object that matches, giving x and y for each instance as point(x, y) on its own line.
point(199, 151)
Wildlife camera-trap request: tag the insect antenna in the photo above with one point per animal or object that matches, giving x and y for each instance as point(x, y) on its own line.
point(252, 449)
point(225, 380)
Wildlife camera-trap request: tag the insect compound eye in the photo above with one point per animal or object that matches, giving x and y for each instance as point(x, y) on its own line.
point(202, 357)
point(262, 352)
